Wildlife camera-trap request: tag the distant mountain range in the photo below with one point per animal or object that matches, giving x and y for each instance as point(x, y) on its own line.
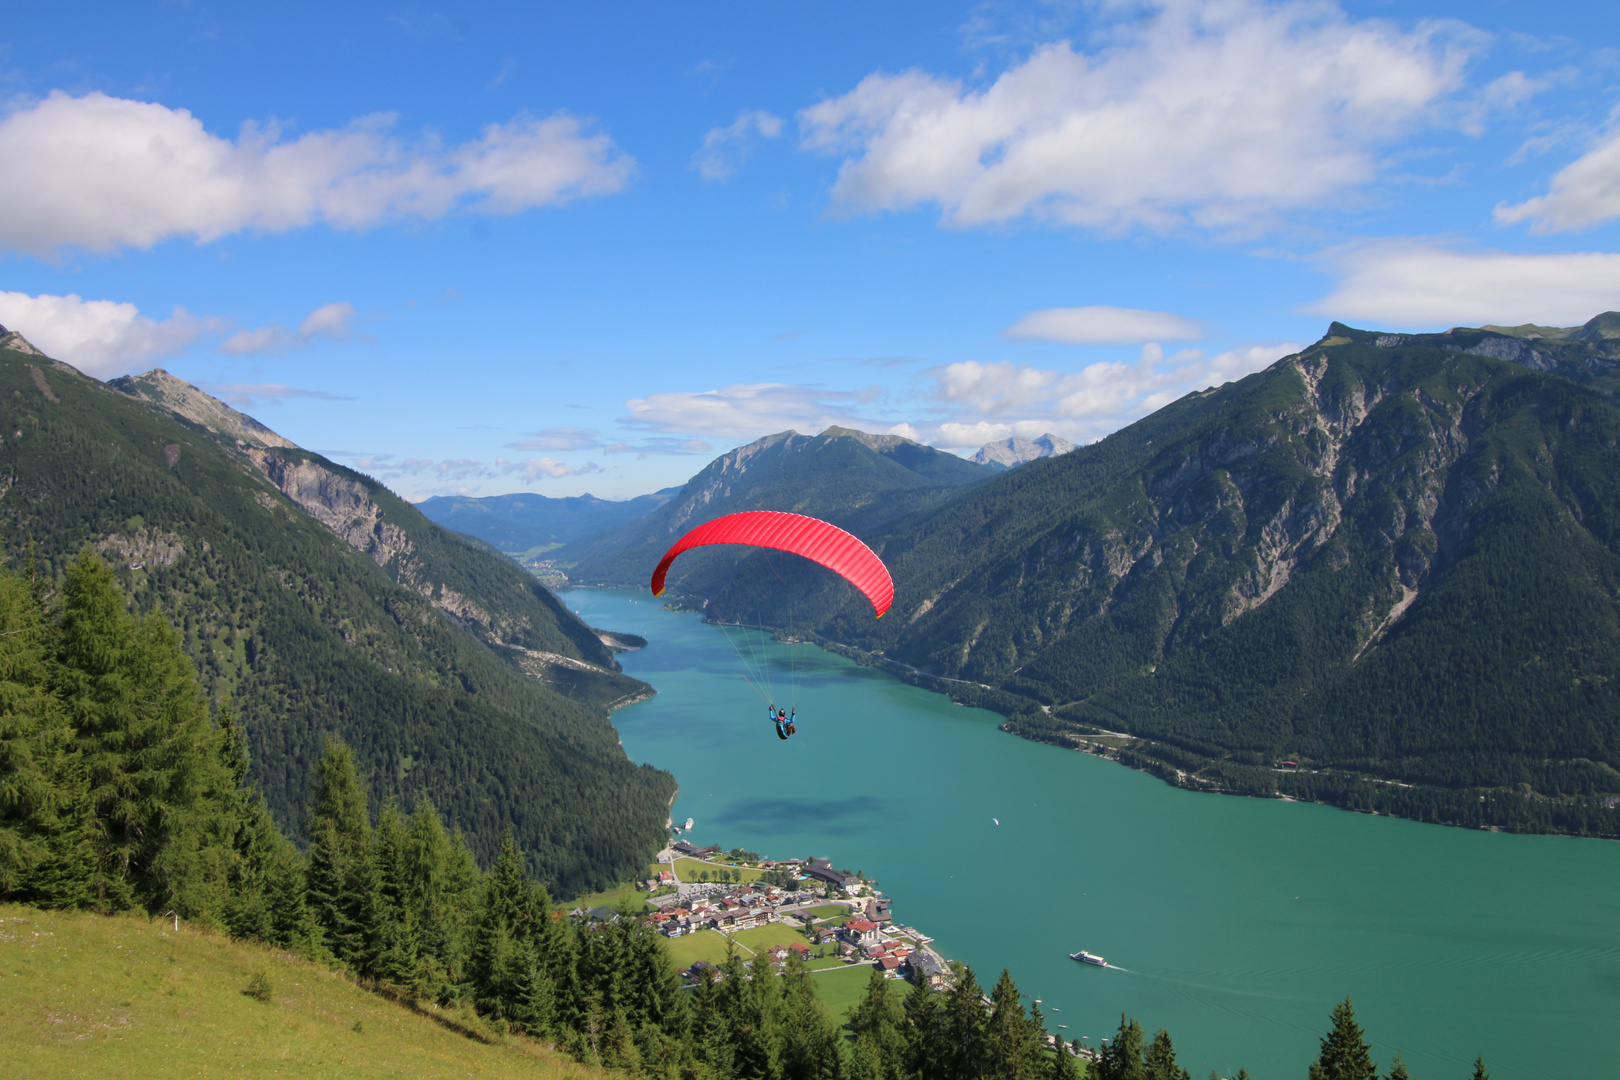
point(321, 603)
point(1010, 453)
point(855, 480)
point(1382, 573)
point(527, 526)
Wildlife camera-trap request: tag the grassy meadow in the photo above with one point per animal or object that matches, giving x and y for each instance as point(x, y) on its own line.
point(125, 997)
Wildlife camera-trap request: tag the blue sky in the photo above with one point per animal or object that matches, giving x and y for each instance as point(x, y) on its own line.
point(567, 248)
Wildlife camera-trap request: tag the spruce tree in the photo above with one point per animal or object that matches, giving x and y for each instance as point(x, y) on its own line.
point(1159, 1063)
point(811, 1045)
point(1121, 1057)
point(1479, 1069)
point(46, 856)
point(1012, 1047)
point(924, 1030)
point(151, 756)
point(1345, 1054)
point(345, 892)
point(876, 1027)
point(962, 1035)
point(398, 948)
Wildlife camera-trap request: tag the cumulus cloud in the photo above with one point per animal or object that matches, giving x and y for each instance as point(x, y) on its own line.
point(747, 411)
point(1219, 115)
point(101, 173)
point(102, 338)
point(986, 402)
point(961, 405)
point(1584, 192)
point(333, 322)
point(1103, 326)
point(1415, 283)
point(724, 147)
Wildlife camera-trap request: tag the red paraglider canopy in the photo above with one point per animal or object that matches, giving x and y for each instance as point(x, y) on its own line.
point(816, 540)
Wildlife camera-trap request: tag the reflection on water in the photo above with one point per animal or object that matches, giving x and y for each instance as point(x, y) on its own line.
point(1239, 923)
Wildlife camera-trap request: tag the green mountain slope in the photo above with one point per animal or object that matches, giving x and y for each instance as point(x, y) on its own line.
point(1393, 560)
point(855, 480)
point(175, 1004)
point(321, 603)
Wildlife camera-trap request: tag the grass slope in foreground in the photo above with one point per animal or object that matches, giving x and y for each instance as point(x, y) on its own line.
point(92, 996)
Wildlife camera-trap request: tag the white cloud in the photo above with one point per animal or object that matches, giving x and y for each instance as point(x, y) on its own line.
point(102, 173)
point(724, 147)
point(1584, 192)
point(1415, 283)
point(245, 395)
point(1101, 325)
point(746, 411)
point(558, 439)
point(102, 338)
point(1218, 114)
point(533, 469)
point(334, 322)
point(986, 402)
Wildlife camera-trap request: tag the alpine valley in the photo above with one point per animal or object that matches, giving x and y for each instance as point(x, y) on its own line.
point(1383, 573)
point(319, 603)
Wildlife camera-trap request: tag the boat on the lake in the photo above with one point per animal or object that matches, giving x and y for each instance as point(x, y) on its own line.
point(1088, 958)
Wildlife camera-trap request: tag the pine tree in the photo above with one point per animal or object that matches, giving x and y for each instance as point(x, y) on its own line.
point(1479, 1069)
point(45, 834)
point(1345, 1055)
point(963, 1034)
point(1121, 1057)
point(1397, 1069)
point(924, 1030)
point(398, 949)
point(811, 1044)
point(876, 1026)
point(1012, 1047)
point(159, 793)
point(1160, 1060)
point(1064, 1065)
point(345, 892)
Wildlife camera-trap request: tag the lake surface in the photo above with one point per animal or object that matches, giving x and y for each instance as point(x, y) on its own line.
point(1238, 923)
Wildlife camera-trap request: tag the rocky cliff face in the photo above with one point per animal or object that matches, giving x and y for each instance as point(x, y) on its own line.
point(1010, 453)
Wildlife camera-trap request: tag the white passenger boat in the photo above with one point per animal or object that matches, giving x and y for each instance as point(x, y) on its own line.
point(1088, 958)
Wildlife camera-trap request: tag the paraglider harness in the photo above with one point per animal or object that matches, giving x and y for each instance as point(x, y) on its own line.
point(783, 721)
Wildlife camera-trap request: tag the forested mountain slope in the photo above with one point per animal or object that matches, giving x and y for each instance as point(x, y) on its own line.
point(322, 603)
point(854, 480)
point(1393, 560)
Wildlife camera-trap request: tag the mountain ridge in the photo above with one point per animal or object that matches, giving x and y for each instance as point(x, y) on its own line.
point(1347, 561)
point(319, 602)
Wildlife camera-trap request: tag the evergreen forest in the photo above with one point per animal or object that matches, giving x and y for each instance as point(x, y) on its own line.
point(124, 789)
point(321, 604)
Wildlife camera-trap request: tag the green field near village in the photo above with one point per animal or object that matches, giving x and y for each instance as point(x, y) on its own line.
point(843, 987)
point(689, 869)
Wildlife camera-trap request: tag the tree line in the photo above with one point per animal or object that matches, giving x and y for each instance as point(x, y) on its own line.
point(122, 788)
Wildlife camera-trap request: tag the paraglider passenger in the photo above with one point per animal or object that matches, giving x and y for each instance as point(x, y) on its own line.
point(791, 729)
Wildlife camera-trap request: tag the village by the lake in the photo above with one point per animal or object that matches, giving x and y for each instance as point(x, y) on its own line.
point(708, 903)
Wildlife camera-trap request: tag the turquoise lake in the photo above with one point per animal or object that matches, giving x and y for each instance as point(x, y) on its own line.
point(1237, 923)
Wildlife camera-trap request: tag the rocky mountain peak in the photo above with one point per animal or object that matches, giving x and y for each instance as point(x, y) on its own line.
point(1010, 453)
point(10, 339)
point(180, 397)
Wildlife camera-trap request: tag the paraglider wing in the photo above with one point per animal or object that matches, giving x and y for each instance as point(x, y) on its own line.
point(813, 538)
